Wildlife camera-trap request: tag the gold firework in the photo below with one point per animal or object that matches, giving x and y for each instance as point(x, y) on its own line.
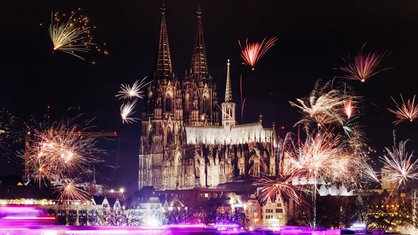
point(71, 36)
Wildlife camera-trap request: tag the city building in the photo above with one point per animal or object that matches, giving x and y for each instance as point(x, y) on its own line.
point(188, 139)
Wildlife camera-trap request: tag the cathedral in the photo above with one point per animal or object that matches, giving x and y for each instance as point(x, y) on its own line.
point(188, 138)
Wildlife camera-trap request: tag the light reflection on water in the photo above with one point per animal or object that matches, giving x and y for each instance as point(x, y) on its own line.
point(165, 230)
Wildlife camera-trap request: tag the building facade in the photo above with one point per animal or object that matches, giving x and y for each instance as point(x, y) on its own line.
point(190, 140)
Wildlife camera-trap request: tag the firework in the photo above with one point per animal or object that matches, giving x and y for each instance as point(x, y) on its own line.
point(280, 187)
point(400, 165)
point(58, 152)
point(349, 108)
point(259, 163)
point(328, 156)
point(321, 156)
point(134, 91)
point(322, 107)
point(126, 110)
point(72, 35)
point(70, 190)
point(363, 66)
point(406, 111)
point(252, 52)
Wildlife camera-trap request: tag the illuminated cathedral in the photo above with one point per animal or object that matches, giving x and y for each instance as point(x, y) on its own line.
point(189, 139)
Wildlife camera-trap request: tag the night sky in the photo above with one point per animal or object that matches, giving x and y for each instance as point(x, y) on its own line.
point(313, 37)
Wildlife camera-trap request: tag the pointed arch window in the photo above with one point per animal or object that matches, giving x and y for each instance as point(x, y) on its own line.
point(169, 102)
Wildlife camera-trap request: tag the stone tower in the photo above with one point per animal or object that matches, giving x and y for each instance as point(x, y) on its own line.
point(200, 97)
point(182, 143)
point(162, 117)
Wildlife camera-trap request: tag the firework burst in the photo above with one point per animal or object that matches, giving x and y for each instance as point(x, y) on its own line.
point(58, 152)
point(363, 66)
point(400, 165)
point(407, 111)
point(330, 157)
point(251, 53)
point(136, 91)
point(322, 106)
point(126, 110)
point(72, 35)
point(321, 156)
point(279, 187)
point(70, 190)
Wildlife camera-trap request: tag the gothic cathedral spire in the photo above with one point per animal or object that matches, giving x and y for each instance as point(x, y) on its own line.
point(200, 97)
point(228, 106)
point(228, 88)
point(163, 68)
point(199, 64)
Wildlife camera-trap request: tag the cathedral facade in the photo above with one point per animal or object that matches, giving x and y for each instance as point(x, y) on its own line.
point(188, 139)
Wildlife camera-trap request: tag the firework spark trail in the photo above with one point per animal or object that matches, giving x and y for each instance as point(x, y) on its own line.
point(322, 106)
point(363, 66)
point(227, 115)
point(321, 156)
point(71, 36)
point(400, 165)
point(70, 190)
point(338, 136)
point(126, 110)
point(279, 187)
point(349, 108)
point(329, 156)
point(252, 52)
point(134, 91)
point(259, 163)
point(59, 152)
point(406, 111)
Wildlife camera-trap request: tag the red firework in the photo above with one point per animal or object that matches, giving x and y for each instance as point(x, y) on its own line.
point(363, 66)
point(407, 111)
point(252, 52)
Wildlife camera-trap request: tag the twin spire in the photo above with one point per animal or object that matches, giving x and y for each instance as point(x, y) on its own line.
point(199, 64)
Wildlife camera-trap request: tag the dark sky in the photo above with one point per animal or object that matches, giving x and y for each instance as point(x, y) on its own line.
point(314, 36)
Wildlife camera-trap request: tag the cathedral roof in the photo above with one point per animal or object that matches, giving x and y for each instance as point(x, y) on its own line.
point(239, 134)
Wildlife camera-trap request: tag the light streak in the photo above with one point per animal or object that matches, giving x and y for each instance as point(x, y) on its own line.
point(251, 53)
point(134, 91)
point(126, 110)
point(321, 107)
point(407, 111)
point(57, 153)
point(400, 165)
point(363, 66)
point(72, 35)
